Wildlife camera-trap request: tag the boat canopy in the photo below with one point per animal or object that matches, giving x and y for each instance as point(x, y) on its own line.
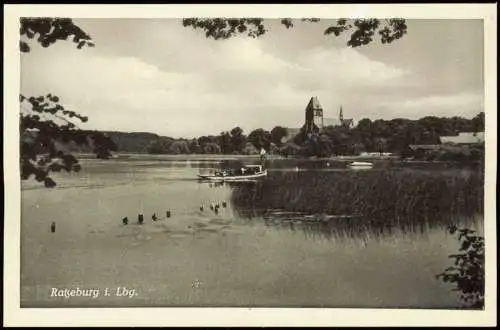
point(254, 167)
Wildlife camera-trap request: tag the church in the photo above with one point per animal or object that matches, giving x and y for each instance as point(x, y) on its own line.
point(315, 122)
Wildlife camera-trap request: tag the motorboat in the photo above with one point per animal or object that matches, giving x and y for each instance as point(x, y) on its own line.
point(361, 165)
point(248, 172)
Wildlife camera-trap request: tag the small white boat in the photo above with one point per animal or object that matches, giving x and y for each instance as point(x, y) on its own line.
point(361, 165)
point(247, 172)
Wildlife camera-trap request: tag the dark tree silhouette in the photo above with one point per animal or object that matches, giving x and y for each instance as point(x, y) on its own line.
point(45, 125)
point(277, 134)
point(238, 139)
point(260, 138)
point(363, 30)
point(478, 122)
point(49, 30)
point(467, 272)
point(225, 143)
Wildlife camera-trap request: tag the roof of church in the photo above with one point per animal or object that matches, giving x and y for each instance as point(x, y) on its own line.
point(314, 103)
point(347, 121)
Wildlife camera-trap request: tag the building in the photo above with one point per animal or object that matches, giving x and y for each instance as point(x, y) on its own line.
point(339, 122)
point(315, 122)
point(424, 147)
point(347, 122)
point(463, 138)
point(314, 116)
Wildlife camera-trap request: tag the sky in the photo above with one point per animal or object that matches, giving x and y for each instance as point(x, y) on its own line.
point(154, 75)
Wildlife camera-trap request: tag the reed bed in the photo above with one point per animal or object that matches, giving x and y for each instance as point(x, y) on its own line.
point(357, 201)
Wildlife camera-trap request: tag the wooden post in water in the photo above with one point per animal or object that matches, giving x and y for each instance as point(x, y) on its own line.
point(53, 227)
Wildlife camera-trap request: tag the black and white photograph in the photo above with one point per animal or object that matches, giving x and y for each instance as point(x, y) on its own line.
point(323, 160)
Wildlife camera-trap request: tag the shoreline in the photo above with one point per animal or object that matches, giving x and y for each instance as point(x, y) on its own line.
point(208, 157)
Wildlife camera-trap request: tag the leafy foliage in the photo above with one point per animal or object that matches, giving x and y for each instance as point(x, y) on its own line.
point(220, 28)
point(48, 31)
point(238, 139)
point(45, 125)
point(260, 138)
point(478, 123)
point(467, 272)
point(179, 147)
point(364, 30)
point(277, 134)
point(41, 137)
point(225, 143)
point(393, 136)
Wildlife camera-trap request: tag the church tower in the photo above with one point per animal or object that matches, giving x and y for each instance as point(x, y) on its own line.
point(314, 116)
point(346, 123)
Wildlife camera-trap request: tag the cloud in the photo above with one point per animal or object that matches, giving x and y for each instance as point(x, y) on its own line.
point(466, 104)
point(347, 67)
point(355, 65)
point(170, 80)
point(245, 54)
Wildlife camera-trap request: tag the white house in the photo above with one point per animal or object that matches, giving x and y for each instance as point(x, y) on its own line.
point(463, 138)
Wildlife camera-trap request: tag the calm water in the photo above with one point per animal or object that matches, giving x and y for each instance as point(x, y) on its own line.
point(312, 234)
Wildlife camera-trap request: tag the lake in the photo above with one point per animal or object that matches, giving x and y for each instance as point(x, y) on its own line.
point(313, 233)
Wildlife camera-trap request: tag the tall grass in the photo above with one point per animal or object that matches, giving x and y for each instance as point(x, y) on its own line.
point(378, 200)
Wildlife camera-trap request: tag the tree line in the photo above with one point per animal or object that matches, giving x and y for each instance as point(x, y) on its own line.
point(392, 136)
point(234, 141)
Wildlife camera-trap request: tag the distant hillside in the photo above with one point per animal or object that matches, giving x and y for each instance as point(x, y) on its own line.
point(129, 142)
point(136, 142)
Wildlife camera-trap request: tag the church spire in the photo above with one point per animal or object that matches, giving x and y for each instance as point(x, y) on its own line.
point(341, 115)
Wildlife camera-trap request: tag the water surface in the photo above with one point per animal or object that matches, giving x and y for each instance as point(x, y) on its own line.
point(312, 234)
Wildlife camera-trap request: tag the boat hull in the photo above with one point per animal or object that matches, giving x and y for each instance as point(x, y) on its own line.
point(361, 167)
point(232, 178)
point(361, 164)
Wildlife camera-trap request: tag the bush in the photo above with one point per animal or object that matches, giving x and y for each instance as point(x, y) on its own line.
point(467, 273)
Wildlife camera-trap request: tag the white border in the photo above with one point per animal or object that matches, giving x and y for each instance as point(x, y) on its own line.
point(14, 316)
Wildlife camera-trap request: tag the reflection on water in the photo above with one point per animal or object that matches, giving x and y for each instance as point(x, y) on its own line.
point(320, 236)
